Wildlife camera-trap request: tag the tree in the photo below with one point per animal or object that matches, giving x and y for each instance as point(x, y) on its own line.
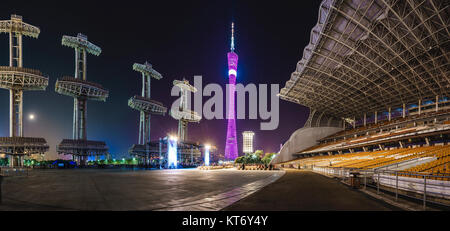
point(259, 153)
point(239, 160)
point(268, 157)
point(250, 158)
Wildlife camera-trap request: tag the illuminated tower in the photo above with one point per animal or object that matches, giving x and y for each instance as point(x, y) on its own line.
point(81, 91)
point(231, 150)
point(247, 142)
point(18, 79)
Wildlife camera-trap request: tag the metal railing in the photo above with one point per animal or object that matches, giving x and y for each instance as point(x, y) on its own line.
point(429, 188)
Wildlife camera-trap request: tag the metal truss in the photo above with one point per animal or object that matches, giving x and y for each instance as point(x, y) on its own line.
point(79, 88)
point(81, 147)
point(184, 85)
point(139, 150)
point(22, 78)
point(371, 55)
point(81, 42)
point(182, 113)
point(16, 25)
point(23, 145)
point(187, 115)
point(147, 70)
point(18, 79)
point(147, 105)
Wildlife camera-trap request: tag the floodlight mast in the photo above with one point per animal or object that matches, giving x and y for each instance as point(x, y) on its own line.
point(144, 122)
point(81, 46)
point(16, 28)
point(17, 79)
point(146, 106)
point(183, 114)
point(81, 90)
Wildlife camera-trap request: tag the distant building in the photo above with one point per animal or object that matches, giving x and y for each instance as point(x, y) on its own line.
point(248, 141)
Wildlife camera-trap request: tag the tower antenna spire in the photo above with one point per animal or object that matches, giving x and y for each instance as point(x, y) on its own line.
point(232, 36)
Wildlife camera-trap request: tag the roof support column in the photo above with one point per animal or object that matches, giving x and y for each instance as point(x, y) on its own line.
point(389, 116)
point(365, 115)
point(437, 103)
point(376, 117)
point(404, 111)
point(420, 105)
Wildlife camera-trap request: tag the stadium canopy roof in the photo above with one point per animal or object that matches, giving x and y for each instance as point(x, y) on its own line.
point(369, 55)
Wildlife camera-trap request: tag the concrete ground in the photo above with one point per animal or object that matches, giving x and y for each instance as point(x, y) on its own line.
point(103, 189)
point(301, 190)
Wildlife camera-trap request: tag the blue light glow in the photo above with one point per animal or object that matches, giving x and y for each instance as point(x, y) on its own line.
point(206, 155)
point(443, 99)
point(172, 152)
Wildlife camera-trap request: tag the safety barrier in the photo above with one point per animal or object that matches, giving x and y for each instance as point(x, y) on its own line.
point(399, 182)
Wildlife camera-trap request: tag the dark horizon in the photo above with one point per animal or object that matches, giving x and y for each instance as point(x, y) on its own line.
point(180, 39)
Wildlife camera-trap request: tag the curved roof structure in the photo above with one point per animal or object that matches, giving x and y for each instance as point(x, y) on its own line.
point(370, 55)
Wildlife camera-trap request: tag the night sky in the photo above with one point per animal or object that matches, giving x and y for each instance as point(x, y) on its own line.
point(180, 39)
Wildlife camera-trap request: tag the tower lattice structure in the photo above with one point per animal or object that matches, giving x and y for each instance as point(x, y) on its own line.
point(231, 148)
point(183, 114)
point(146, 106)
point(81, 90)
point(18, 79)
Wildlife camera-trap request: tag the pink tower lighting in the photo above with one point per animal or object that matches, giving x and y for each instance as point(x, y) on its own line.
point(231, 150)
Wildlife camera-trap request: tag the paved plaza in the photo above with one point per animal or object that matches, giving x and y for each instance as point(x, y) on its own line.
point(308, 191)
point(104, 189)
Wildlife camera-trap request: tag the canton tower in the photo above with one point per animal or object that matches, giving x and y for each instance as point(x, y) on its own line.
point(231, 150)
